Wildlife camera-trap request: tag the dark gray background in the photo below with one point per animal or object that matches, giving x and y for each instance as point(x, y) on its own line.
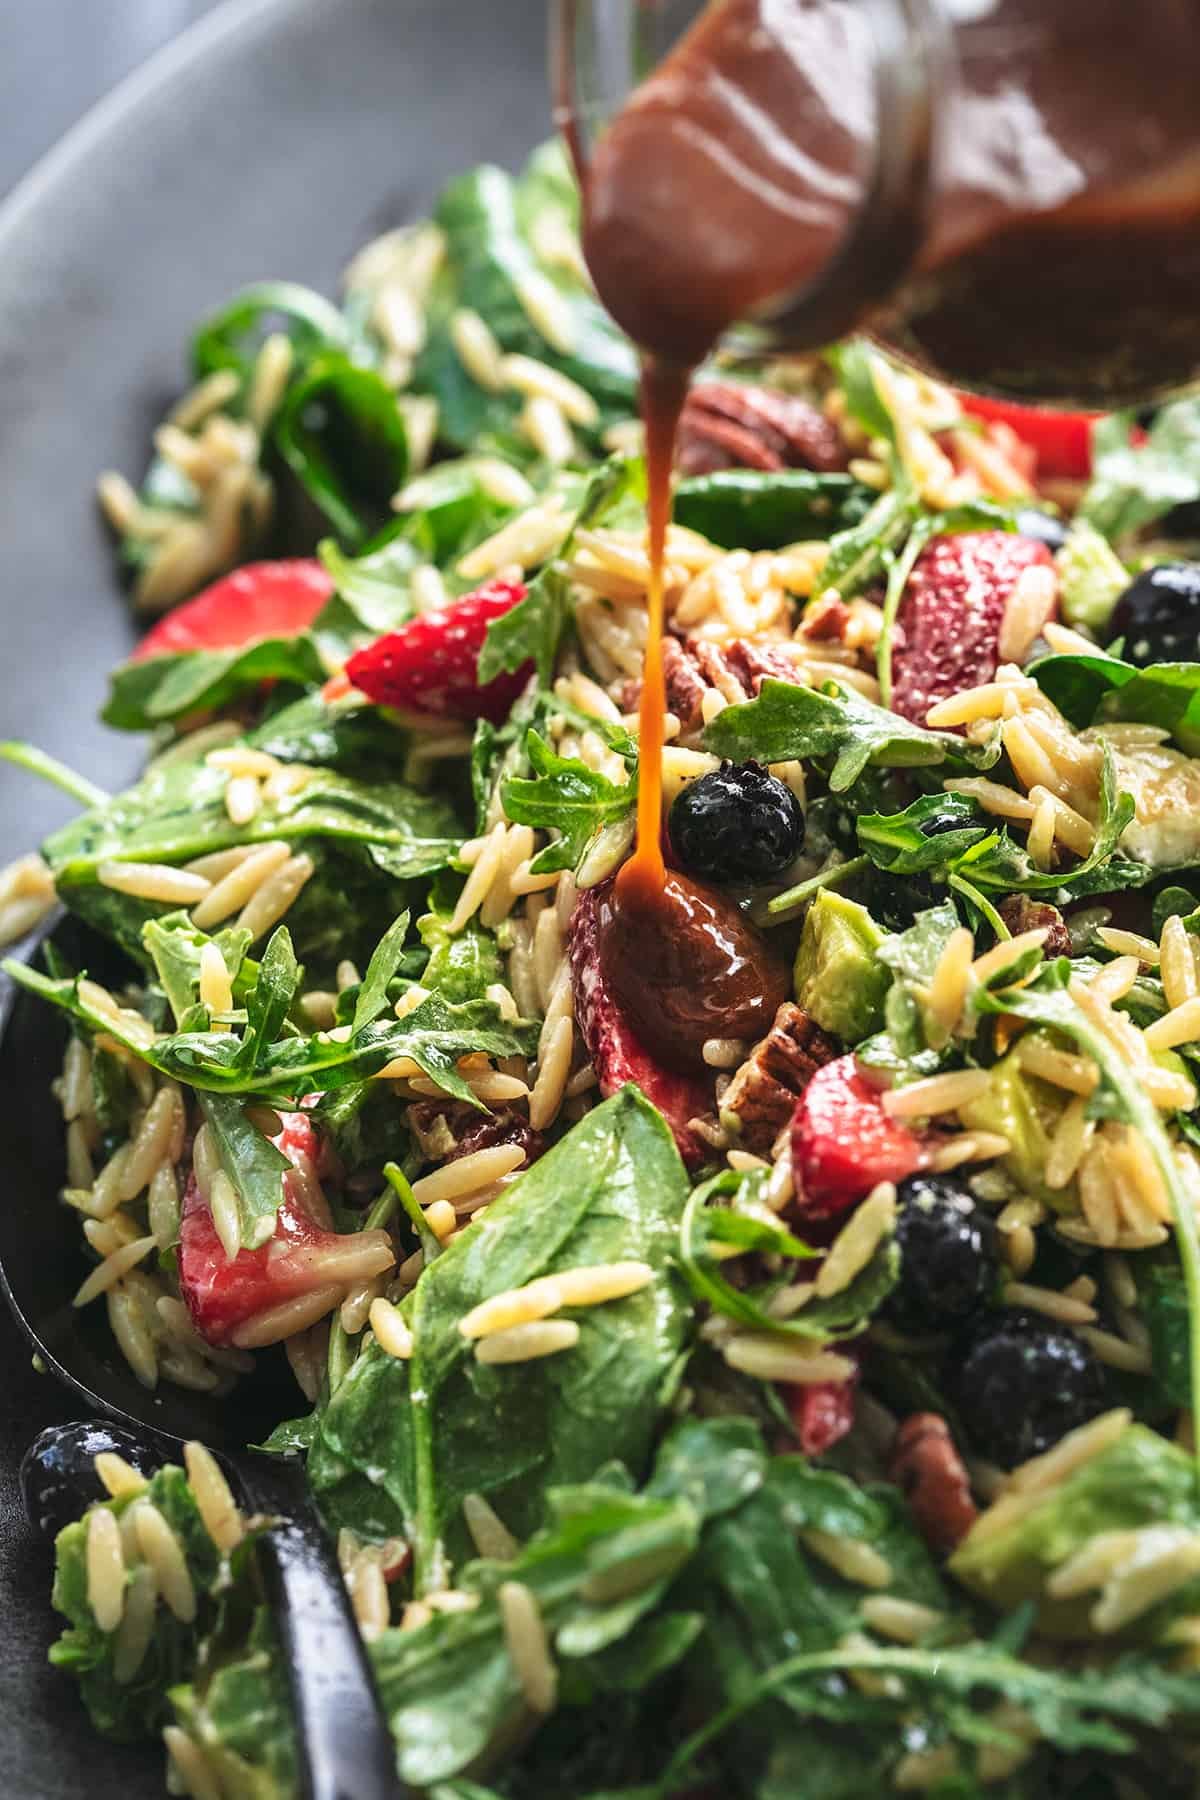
point(282, 137)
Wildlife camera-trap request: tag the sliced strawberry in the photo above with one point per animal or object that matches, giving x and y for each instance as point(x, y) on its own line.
point(1061, 441)
point(429, 665)
point(948, 625)
point(822, 1412)
point(843, 1142)
point(618, 1054)
point(263, 600)
point(221, 1294)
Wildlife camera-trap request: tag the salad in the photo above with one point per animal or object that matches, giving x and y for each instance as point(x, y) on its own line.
point(814, 1418)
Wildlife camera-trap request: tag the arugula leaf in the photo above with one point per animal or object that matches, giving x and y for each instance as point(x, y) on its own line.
point(854, 361)
point(435, 1035)
point(566, 796)
point(746, 1225)
point(253, 1164)
point(444, 1425)
point(342, 434)
point(231, 338)
point(1134, 484)
point(173, 945)
point(787, 722)
point(990, 859)
point(532, 630)
point(755, 509)
point(157, 689)
point(372, 996)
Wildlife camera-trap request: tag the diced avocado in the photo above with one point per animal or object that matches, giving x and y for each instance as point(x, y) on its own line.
point(1174, 1064)
point(1091, 576)
point(839, 979)
point(1025, 1111)
point(1142, 1482)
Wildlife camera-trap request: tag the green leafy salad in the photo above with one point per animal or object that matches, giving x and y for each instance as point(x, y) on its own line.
point(803, 1413)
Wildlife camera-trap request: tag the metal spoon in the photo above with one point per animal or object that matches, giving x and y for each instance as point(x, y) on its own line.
point(346, 1749)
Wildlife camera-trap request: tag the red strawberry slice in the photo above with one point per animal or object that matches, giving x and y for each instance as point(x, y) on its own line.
point(948, 625)
point(843, 1142)
point(1061, 441)
point(618, 1054)
point(429, 665)
point(221, 1294)
point(263, 600)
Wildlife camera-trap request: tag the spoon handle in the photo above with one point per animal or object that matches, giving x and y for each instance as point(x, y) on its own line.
point(346, 1749)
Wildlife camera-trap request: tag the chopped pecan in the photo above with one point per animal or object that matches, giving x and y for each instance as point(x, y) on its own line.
point(763, 1093)
point(1020, 913)
point(693, 666)
point(686, 687)
point(755, 663)
point(826, 619)
point(926, 1467)
point(731, 424)
point(448, 1129)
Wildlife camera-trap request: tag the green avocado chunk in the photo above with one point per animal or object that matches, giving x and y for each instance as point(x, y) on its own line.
point(839, 979)
point(1134, 1508)
point(1025, 1111)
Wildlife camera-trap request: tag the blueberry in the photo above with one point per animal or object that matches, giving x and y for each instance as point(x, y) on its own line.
point(1043, 526)
point(737, 824)
point(1158, 615)
point(1022, 1383)
point(58, 1471)
point(948, 1262)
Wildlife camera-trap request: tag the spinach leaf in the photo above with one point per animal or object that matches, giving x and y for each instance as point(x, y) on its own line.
point(231, 338)
point(1163, 1307)
point(157, 689)
point(238, 1706)
point(137, 1708)
point(253, 1164)
point(343, 436)
point(929, 835)
point(177, 811)
point(566, 796)
point(859, 554)
point(1101, 689)
point(1134, 484)
point(450, 1688)
point(444, 1425)
point(489, 264)
point(787, 722)
point(756, 510)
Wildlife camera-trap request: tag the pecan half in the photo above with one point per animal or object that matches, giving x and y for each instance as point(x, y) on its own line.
point(693, 666)
point(926, 1467)
point(763, 1093)
point(731, 425)
point(1020, 913)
